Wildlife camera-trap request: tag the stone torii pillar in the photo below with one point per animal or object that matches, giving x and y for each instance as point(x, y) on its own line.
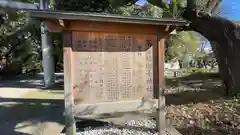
point(47, 48)
point(47, 51)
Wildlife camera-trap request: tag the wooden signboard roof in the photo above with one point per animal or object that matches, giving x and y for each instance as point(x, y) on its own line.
point(64, 15)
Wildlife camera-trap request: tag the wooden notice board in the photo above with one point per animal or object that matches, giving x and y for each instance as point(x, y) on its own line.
point(112, 67)
point(111, 63)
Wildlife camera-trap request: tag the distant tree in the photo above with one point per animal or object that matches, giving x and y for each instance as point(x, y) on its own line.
point(19, 43)
point(181, 47)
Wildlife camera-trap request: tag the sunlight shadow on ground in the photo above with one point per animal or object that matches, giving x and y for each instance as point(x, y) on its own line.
point(30, 82)
point(198, 87)
point(30, 115)
point(191, 96)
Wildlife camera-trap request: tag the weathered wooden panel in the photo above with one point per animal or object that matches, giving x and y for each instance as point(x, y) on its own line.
point(82, 110)
point(112, 66)
point(68, 98)
point(114, 27)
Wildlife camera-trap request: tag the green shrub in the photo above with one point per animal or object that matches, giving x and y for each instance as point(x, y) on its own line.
point(194, 69)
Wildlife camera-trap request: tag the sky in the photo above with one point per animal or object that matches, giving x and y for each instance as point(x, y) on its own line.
point(230, 9)
point(141, 2)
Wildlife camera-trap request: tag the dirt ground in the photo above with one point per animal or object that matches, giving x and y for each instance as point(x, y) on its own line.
point(196, 105)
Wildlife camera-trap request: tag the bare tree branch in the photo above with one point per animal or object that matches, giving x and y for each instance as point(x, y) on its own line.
point(215, 10)
point(212, 4)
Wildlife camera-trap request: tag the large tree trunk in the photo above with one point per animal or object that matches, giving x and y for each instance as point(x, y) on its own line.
point(222, 65)
point(226, 35)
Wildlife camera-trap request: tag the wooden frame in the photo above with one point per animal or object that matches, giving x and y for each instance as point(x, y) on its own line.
point(123, 106)
point(92, 26)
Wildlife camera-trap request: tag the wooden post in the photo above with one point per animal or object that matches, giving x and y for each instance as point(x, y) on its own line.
point(160, 120)
point(70, 124)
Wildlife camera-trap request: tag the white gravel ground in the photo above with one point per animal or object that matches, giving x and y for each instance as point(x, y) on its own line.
point(132, 127)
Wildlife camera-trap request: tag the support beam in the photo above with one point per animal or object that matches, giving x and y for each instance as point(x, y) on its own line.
point(160, 118)
point(70, 123)
point(17, 5)
point(47, 51)
point(167, 28)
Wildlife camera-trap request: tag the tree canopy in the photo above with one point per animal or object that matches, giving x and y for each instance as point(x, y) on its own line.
point(17, 31)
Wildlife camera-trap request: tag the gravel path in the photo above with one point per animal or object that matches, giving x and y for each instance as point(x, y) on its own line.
point(131, 127)
point(25, 109)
